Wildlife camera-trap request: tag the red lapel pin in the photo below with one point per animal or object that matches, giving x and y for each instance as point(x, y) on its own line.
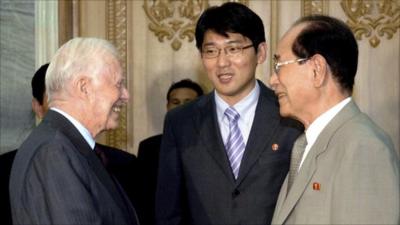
point(275, 147)
point(316, 186)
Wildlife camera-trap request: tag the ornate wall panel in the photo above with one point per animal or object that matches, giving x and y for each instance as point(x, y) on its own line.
point(310, 7)
point(116, 33)
point(373, 19)
point(153, 63)
point(174, 20)
point(46, 31)
point(377, 81)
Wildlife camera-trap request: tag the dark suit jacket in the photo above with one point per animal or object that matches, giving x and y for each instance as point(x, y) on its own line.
point(195, 181)
point(6, 161)
point(57, 178)
point(123, 166)
point(148, 154)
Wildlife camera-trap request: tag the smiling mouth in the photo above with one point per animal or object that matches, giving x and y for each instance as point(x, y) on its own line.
point(116, 109)
point(225, 77)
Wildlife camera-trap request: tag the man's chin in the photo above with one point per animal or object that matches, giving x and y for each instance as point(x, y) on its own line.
point(111, 125)
point(283, 112)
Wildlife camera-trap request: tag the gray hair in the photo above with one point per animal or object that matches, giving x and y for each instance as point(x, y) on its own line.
point(77, 56)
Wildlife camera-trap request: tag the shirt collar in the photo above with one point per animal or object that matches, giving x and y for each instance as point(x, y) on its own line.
point(242, 107)
point(320, 123)
point(82, 130)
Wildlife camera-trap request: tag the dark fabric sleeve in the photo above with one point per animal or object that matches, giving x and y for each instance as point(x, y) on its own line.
point(170, 201)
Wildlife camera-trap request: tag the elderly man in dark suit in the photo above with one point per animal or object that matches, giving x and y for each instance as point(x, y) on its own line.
point(56, 176)
point(225, 155)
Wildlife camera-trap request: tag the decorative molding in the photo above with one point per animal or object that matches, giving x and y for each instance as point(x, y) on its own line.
point(46, 31)
point(310, 7)
point(116, 33)
point(174, 20)
point(75, 18)
point(372, 19)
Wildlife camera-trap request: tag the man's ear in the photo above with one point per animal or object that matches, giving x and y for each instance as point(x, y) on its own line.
point(261, 52)
point(82, 86)
point(320, 70)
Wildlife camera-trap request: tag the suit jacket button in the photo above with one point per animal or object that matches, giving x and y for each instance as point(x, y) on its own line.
point(235, 193)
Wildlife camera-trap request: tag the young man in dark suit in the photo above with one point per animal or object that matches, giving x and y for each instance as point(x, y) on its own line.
point(225, 155)
point(179, 93)
point(56, 177)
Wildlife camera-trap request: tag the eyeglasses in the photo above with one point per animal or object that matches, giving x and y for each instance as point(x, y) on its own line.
point(210, 52)
point(277, 65)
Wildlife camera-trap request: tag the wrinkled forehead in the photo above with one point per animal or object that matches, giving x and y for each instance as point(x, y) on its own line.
point(112, 67)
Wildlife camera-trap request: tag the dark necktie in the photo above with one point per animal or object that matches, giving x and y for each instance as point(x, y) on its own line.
point(297, 154)
point(101, 154)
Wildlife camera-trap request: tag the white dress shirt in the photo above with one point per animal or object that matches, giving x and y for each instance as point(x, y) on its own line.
point(82, 130)
point(245, 107)
point(319, 124)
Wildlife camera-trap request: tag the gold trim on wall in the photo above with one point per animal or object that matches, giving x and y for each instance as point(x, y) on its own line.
point(310, 7)
point(372, 19)
point(116, 33)
point(68, 20)
point(174, 20)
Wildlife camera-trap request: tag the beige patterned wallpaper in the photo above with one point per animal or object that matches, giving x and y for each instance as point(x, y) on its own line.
point(155, 38)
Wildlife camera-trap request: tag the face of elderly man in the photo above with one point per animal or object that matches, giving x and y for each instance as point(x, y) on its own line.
point(109, 95)
point(85, 80)
point(293, 81)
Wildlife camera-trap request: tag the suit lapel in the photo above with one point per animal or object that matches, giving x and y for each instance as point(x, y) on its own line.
point(208, 130)
point(70, 131)
point(299, 185)
point(266, 121)
point(310, 164)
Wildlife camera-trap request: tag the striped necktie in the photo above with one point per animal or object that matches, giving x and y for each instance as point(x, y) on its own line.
point(235, 145)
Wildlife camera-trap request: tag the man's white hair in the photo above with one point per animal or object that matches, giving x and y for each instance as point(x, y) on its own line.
point(76, 57)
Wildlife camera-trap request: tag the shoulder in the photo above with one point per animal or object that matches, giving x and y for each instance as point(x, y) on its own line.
point(193, 109)
point(116, 154)
point(151, 140)
point(361, 128)
point(361, 143)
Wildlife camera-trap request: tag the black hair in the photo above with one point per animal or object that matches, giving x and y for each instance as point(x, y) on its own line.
point(185, 83)
point(233, 18)
point(332, 39)
point(38, 83)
